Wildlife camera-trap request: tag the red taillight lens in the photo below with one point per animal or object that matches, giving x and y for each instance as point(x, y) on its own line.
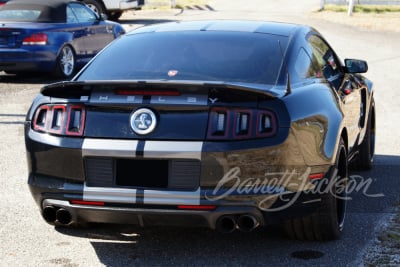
point(76, 120)
point(40, 119)
point(219, 123)
point(197, 207)
point(57, 119)
point(242, 124)
point(66, 120)
point(35, 39)
point(89, 203)
point(236, 124)
point(316, 176)
point(266, 123)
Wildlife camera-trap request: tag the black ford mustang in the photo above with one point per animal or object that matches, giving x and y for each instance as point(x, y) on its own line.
point(223, 124)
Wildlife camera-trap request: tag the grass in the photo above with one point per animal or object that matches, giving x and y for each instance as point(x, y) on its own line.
point(363, 8)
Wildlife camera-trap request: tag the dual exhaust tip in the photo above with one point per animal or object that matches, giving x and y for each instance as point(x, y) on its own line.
point(225, 223)
point(53, 214)
point(229, 223)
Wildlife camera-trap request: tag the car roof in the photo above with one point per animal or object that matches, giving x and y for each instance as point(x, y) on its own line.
point(51, 10)
point(278, 28)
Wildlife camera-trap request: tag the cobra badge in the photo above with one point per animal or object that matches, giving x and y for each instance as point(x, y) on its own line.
point(143, 121)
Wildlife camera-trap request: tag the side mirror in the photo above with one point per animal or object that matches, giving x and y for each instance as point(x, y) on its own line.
point(355, 66)
point(103, 16)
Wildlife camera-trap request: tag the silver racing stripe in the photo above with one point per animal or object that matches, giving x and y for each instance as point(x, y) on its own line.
point(129, 196)
point(152, 149)
point(172, 197)
point(108, 194)
point(109, 148)
point(173, 150)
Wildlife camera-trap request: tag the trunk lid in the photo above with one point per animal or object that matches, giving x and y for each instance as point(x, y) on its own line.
point(13, 33)
point(182, 109)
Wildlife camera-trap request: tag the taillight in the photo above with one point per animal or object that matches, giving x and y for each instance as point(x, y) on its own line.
point(242, 124)
point(266, 123)
point(57, 120)
point(219, 123)
point(35, 39)
point(40, 118)
point(76, 120)
point(66, 120)
point(235, 124)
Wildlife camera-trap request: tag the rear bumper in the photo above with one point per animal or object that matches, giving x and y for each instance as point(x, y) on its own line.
point(123, 4)
point(145, 217)
point(26, 60)
point(160, 210)
point(59, 174)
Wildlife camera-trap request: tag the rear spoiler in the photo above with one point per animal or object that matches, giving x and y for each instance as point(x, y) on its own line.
point(72, 89)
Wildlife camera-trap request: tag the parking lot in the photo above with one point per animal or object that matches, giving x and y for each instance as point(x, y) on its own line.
point(26, 240)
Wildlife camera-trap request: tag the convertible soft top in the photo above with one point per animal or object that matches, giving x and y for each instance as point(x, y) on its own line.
point(50, 10)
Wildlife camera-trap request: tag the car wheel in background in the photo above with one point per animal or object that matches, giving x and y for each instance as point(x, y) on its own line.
point(327, 222)
point(96, 6)
point(65, 65)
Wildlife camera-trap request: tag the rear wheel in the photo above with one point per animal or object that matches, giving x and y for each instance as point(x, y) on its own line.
point(365, 158)
point(327, 222)
point(65, 65)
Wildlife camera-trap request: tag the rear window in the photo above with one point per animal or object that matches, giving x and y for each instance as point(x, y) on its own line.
point(205, 56)
point(33, 12)
point(20, 15)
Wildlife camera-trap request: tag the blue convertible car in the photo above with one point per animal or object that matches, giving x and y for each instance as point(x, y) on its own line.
point(55, 36)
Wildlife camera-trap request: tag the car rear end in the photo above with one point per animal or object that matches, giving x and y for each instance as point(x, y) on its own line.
point(172, 151)
point(24, 49)
point(200, 165)
point(27, 40)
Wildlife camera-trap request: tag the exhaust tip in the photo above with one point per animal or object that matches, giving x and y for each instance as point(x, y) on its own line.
point(247, 223)
point(49, 214)
point(63, 216)
point(226, 224)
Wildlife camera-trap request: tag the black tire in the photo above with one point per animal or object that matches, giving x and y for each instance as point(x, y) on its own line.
point(115, 15)
point(65, 65)
point(366, 151)
point(96, 6)
point(327, 222)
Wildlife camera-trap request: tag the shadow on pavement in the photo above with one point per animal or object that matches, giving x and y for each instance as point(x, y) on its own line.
point(28, 78)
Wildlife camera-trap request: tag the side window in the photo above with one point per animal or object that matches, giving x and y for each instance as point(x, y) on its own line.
point(324, 60)
point(71, 16)
point(303, 66)
point(82, 13)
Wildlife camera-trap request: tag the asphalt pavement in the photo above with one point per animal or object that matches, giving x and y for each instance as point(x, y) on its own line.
point(26, 240)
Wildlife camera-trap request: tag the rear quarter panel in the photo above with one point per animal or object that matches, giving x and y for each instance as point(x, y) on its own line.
point(316, 121)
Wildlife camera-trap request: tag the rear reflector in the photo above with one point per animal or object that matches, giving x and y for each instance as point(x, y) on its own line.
point(316, 176)
point(197, 207)
point(90, 203)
